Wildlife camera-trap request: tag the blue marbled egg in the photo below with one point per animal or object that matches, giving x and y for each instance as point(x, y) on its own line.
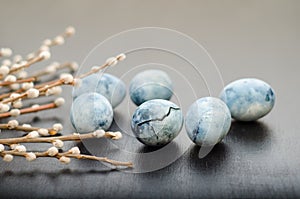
point(150, 84)
point(248, 99)
point(107, 85)
point(157, 122)
point(208, 121)
point(91, 111)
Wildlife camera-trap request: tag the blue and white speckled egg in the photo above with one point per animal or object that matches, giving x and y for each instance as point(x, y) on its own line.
point(208, 121)
point(157, 122)
point(107, 85)
point(91, 111)
point(150, 84)
point(248, 99)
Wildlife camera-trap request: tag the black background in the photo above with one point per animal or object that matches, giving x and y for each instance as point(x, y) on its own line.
point(245, 38)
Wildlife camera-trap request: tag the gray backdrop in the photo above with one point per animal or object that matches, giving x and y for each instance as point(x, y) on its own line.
point(245, 38)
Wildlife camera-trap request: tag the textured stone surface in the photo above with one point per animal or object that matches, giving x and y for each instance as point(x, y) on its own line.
point(207, 121)
point(150, 84)
point(157, 122)
point(91, 111)
point(105, 84)
point(248, 99)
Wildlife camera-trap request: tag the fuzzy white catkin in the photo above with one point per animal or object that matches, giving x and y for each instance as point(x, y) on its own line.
point(66, 78)
point(8, 158)
point(121, 56)
point(75, 150)
point(52, 151)
point(58, 143)
point(118, 135)
point(99, 133)
point(17, 104)
point(45, 55)
point(14, 87)
point(12, 124)
point(57, 90)
point(43, 132)
point(10, 78)
point(59, 101)
point(4, 70)
point(95, 68)
point(15, 112)
point(57, 127)
point(59, 40)
point(2, 148)
point(20, 148)
point(5, 52)
point(64, 159)
point(35, 106)
point(4, 108)
point(32, 93)
point(27, 85)
point(30, 156)
point(13, 146)
point(111, 61)
point(33, 134)
point(54, 91)
point(70, 31)
point(14, 95)
point(26, 125)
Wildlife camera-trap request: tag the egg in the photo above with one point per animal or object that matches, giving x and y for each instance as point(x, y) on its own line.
point(91, 111)
point(248, 99)
point(150, 84)
point(111, 87)
point(157, 122)
point(207, 121)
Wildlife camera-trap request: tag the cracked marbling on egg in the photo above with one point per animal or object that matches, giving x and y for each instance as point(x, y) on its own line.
point(150, 84)
point(248, 99)
point(105, 84)
point(91, 111)
point(157, 122)
point(207, 121)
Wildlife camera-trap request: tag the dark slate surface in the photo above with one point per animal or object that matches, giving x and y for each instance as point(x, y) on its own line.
point(245, 38)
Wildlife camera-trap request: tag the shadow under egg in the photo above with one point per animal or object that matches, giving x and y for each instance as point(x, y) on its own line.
point(149, 159)
point(250, 133)
point(212, 162)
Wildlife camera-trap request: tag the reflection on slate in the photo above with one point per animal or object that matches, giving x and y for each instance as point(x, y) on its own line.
point(154, 159)
point(212, 162)
point(55, 174)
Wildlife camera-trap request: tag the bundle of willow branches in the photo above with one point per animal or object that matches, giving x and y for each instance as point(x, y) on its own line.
point(17, 85)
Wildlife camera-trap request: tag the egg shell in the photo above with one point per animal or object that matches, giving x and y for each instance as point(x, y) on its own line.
point(248, 99)
point(105, 84)
point(157, 122)
point(150, 84)
point(207, 121)
point(91, 111)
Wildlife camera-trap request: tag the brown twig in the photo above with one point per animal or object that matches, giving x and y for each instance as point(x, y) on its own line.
point(38, 58)
point(7, 83)
point(27, 128)
point(72, 137)
point(32, 109)
point(69, 155)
